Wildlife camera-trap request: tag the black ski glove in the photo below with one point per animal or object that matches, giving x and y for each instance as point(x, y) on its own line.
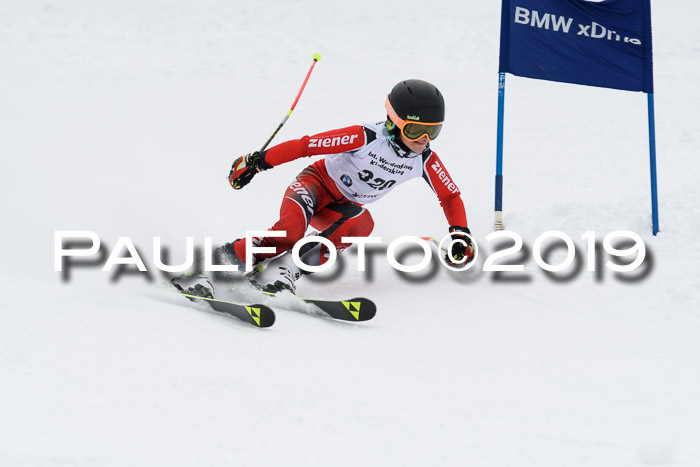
point(461, 248)
point(244, 169)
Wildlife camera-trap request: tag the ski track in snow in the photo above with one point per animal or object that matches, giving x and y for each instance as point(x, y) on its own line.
point(123, 119)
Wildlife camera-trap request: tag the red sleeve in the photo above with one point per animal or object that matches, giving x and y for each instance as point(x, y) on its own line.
point(329, 142)
point(442, 183)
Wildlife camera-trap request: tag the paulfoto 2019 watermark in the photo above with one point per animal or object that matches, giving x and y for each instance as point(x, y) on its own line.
point(496, 261)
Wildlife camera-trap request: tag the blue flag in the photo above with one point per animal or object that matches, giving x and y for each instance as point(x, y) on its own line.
point(605, 43)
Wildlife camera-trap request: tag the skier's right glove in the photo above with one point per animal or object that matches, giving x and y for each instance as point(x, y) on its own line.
point(244, 169)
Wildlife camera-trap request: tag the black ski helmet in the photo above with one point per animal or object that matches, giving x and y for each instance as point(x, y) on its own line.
point(418, 101)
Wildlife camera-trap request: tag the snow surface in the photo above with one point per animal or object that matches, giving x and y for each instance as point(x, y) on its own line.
point(123, 118)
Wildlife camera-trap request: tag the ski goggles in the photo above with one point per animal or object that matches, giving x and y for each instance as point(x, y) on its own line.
point(413, 131)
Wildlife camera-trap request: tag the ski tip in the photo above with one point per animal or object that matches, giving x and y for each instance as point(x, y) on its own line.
point(261, 315)
point(362, 309)
point(258, 315)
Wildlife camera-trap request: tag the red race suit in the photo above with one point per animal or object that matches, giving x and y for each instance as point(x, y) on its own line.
point(362, 164)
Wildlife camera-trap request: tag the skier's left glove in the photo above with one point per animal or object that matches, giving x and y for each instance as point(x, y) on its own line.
point(462, 248)
point(244, 169)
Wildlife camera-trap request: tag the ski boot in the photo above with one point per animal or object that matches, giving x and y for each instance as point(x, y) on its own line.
point(281, 274)
point(226, 254)
point(196, 284)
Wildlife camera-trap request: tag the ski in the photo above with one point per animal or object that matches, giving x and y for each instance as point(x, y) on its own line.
point(257, 315)
point(355, 309)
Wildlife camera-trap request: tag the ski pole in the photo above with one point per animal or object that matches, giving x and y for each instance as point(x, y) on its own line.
point(317, 58)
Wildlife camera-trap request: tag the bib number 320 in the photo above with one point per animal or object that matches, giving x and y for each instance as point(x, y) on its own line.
point(376, 183)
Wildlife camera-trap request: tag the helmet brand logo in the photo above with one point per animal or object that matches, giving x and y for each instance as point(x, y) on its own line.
point(413, 117)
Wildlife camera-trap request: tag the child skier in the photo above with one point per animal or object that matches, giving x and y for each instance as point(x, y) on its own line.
point(363, 163)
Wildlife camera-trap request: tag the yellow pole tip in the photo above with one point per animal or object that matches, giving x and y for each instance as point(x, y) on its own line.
point(317, 57)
